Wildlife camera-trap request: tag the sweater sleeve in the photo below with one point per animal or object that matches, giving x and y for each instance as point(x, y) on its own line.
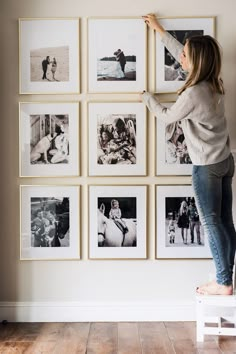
point(174, 46)
point(178, 111)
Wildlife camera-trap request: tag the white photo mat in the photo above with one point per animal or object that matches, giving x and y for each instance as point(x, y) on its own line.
point(105, 36)
point(162, 166)
point(183, 251)
point(96, 109)
point(40, 34)
point(138, 192)
point(48, 170)
point(207, 24)
point(27, 252)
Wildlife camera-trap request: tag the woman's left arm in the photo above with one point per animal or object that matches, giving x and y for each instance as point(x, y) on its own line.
point(178, 111)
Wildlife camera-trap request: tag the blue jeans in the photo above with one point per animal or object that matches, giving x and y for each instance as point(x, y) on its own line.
point(212, 186)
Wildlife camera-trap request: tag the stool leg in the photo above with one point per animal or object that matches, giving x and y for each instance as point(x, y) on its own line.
point(200, 322)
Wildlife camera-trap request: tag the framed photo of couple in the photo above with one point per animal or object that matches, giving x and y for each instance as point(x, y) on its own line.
point(49, 139)
point(172, 156)
point(169, 75)
point(50, 222)
point(179, 233)
point(117, 138)
point(49, 56)
point(117, 55)
point(117, 222)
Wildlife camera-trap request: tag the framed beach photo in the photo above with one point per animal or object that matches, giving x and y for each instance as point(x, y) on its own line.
point(117, 222)
point(172, 156)
point(168, 72)
point(49, 139)
point(49, 56)
point(117, 49)
point(50, 222)
point(179, 233)
point(117, 138)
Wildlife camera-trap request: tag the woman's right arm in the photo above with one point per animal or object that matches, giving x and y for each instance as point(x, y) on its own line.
point(174, 46)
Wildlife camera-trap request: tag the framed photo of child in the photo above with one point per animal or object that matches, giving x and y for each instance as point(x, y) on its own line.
point(50, 222)
point(117, 139)
point(169, 75)
point(117, 222)
point(49, 139)
point(49, 56)
point(117, 55)
point(179, 233)
point(172, 156)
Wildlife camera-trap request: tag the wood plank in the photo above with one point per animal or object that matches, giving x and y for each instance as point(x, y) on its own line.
point(128, 339)
point(154, 338)
point(102, 338)
point(227, 344)
point(51, 331)
point(15, 347)
point(73, 339)
point(25, 332)
point(7, 330)
point(182, 337)
point(42, 348)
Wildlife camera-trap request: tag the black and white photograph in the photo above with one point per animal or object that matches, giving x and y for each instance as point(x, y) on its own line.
point(173, 69)
point(116, 51)
point(172, 156)
point(119, 130)
point(179, 232)
point(117, 221)
point(49, 139)
point(49, 56)
point(116, 139)
point(169, 73)
point(50, 223)
point(49, 64)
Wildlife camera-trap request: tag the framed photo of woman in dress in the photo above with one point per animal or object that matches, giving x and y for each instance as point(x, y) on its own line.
point(49, 56)
point(172, 157)
point(179, 233)
point(169, 74)
point(117, 56)
point(117, 139)
point(49, 139)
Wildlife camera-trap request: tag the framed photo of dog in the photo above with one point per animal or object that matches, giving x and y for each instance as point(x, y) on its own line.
point(169, 75)
point(117, 222)
point(49, 139)
point(49, 56)
point(172, 156)
point(117, 138)
point(117, 59)
point(179, 233)
point(50, 222)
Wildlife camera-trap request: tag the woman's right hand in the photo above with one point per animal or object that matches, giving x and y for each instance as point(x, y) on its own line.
point(153, 23)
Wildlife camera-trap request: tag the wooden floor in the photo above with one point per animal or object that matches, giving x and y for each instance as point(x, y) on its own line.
point(104, 338)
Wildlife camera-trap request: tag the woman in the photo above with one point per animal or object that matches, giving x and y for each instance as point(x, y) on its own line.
point(54, 68)
point(183, 221)
point(200, 108)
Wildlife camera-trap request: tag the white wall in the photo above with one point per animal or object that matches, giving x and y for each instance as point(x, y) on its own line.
point(105, 290)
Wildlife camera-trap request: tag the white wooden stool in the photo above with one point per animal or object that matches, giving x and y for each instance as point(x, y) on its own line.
point(217, 310)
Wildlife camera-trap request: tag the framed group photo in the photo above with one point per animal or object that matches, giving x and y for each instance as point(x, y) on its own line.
point(172, 156)
point(49, 139)
point(49, 56)
point(117, 138)
point(117, 56)
point(117, 222)
point(169, 75)
point(50, 222)
point(179, 233)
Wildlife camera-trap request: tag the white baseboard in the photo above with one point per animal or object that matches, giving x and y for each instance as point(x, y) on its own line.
point(96, 312)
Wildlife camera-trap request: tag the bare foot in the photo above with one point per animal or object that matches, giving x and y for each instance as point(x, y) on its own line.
point(213, 288)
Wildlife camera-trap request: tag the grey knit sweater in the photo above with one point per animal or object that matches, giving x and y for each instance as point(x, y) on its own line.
point(201, 114)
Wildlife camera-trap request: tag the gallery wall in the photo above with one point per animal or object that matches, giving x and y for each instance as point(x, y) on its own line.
point(88, 289)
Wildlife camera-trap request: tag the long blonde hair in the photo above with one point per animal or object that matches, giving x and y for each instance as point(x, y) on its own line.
point(205, 63)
